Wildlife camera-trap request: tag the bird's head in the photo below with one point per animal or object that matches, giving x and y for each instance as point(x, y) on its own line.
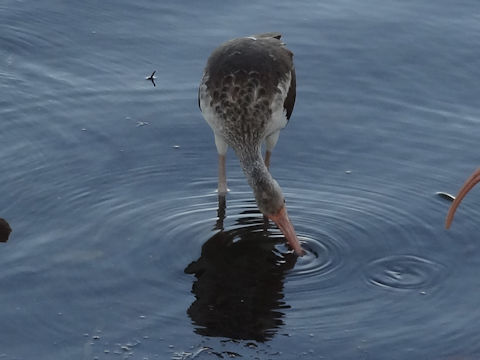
point(271, 202)
point(269, 197)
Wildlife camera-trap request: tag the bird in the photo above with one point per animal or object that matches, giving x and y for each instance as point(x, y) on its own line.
point(246, 95)
point(152, 77)
point(466, 187)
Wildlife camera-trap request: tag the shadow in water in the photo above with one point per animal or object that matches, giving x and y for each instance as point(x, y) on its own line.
point(5, 230)
point(239, 285)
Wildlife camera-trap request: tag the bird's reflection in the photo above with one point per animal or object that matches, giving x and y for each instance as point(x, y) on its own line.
point(5, 230)
point(239, 285)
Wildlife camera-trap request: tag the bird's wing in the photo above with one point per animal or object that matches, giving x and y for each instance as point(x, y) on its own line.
point(290, 99)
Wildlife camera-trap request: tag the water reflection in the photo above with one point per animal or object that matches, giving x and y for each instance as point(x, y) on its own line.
point(239, 286)
point(5, 230)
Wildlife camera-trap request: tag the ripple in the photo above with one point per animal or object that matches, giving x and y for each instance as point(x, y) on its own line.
point(324, 255)
point(403, 272)
point(353, 231)
point(338, 231)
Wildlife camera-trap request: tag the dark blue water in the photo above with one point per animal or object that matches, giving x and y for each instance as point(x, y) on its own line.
point(119, 246)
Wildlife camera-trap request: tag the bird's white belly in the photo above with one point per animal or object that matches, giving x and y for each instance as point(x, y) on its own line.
point(213, 119)
point(279, 114)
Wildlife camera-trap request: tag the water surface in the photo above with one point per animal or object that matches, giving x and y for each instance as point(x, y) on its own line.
point(120, 247)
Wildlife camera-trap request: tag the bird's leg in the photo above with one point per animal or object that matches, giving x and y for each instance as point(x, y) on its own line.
point(222, 176)
point(266, 222)
point(222, 205)
point(268, 154)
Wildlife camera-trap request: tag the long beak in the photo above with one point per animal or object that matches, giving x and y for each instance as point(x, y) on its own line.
point(284, 224)
point(469, 184)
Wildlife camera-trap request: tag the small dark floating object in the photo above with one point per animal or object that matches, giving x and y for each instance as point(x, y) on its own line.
point(445, 195)
point(5, 230)
point(152, 78)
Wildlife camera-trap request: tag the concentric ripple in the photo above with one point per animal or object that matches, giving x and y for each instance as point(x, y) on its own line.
point(324, 256)
point(403, 272)
point(360, 239)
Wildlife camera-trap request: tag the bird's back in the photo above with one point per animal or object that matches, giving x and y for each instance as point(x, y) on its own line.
point(248, 88)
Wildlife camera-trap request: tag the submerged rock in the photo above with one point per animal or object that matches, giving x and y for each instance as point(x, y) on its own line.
point(5, 230)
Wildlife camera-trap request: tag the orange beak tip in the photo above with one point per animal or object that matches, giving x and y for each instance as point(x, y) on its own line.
point(301, 253)
point(286, 227)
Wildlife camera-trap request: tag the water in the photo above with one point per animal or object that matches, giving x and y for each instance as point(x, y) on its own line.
point(119, 246)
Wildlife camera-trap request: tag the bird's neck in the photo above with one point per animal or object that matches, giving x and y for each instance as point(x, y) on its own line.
point(268, 194)
point(254, 168)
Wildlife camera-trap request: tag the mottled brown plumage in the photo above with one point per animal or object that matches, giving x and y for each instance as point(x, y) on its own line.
point(247, 95)
point(242, 78)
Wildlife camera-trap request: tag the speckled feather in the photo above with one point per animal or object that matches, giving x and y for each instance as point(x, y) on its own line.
point(242, 81)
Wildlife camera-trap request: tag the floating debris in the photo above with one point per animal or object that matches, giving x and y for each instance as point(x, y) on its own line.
point(152, 77)
point(445, 195)
point(176, 146)
point(83, 129)
point(348, 171)
point(142, 123)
